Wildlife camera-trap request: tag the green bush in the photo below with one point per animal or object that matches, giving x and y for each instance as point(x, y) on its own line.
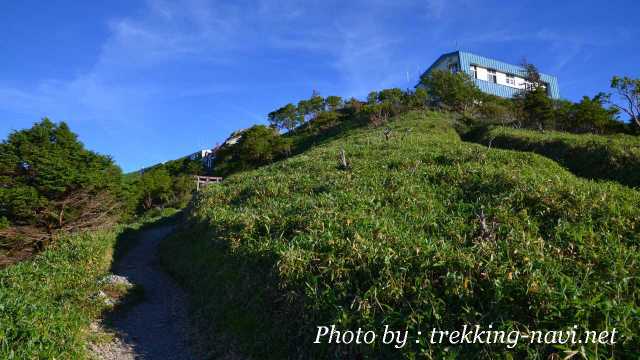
point(494, 110)
point(258, 145)
point(614, 157)
point(455, 92)
point(421, 231)
point(49, 182)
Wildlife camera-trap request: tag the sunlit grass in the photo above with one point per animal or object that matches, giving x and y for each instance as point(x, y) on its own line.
point(398, 239)
point(47, 303)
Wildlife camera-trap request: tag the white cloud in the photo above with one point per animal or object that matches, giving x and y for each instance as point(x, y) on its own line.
point(364, 43)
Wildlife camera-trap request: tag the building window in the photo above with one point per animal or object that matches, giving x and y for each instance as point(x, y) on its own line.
point(474, 71)
point(453, 68)
point(511, 80)
point(491, 76)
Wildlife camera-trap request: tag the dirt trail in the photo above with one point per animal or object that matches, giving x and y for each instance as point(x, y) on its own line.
point(156, 327)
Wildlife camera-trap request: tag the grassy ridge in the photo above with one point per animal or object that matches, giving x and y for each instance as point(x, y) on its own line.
point(614, 157)
point(399, 239)
point(46, 303)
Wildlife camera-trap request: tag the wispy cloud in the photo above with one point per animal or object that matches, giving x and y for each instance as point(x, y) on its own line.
point(181, 52)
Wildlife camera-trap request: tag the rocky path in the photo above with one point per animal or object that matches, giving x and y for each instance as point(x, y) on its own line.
point(156, 327)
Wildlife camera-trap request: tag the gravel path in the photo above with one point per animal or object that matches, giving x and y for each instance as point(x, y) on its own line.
point(157, 327)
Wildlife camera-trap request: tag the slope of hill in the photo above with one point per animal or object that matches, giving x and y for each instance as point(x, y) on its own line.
point(49, 301)
point(420, 230)
point(613, 157)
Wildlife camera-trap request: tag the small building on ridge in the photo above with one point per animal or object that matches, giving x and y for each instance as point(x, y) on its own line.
point(492, 76)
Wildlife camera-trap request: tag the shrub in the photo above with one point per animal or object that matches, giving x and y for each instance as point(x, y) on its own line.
point(495, 110)
point(324, 121)
point(155, 188)
point(456, 92)
point(334, 103)
point(537, 109)
point(417, 100)
point(285, 118)
point(589, 115)
point(258, 145)
point(50, 182)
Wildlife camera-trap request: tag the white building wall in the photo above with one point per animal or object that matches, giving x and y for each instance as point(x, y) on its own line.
point(501, 78)
point(482, 73)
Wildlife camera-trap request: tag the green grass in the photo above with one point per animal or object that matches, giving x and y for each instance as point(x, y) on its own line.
point(612, 157)
point(47, 303)
point(397, 240)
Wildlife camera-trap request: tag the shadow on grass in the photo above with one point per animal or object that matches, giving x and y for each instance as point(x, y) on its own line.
point(230, 294)
point(593, 160)
point(130, 236)
point(237, 302)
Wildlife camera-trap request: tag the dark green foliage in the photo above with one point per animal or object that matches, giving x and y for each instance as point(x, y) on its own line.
point(334, 103)
point(155, 187)
point(589, 115)
point(382, 105)
point(615, 157)
point(185, 166)
point(324, 121)
point(258, 145)
point(393, 96)
point(423, 231)
point(564, 115)
point(315, 104)
point(537, 108)
point(163, 186)
point(182, 187)
point(417, 99)
point(167, 185)
point(44, 164)
point(308, 109)
point(451, 91)
point(49, 181)
point(534, 110)
point(372, 98)
point(497, 110)
point(286, 117)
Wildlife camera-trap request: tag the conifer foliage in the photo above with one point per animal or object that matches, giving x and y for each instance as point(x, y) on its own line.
point(50, 182)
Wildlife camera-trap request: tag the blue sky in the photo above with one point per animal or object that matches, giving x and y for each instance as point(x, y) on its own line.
point(149, 81)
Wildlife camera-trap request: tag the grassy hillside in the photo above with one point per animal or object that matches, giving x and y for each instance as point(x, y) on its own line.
point(614, 157)
point(419, 231)
point(46, 303)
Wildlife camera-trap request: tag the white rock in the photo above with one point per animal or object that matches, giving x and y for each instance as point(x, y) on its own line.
point(115, 280)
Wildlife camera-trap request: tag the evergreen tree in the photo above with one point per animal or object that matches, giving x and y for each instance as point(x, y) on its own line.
point(536, 104)
point(451, 91)
point(49, 181)
point(334, 103)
